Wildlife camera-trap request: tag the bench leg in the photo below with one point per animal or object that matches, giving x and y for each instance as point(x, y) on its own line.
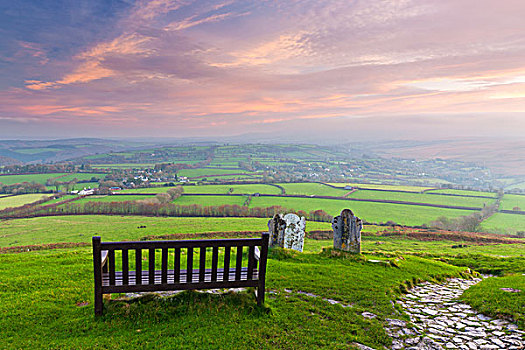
point(260, 294)
point(99, 304)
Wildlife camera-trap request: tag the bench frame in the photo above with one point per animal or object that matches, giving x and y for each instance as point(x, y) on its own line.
point(108, 280)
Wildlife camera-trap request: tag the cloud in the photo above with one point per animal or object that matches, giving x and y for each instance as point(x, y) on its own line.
point(205, 65)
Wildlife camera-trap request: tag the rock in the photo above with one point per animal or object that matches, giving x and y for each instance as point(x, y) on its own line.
point(396, 323)
point(369, 315)
point(362, 347)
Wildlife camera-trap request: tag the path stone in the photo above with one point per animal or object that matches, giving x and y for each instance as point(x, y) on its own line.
point(446, 323)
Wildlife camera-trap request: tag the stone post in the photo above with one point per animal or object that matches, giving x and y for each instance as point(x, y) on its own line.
point(294, 232)
point(347, 232)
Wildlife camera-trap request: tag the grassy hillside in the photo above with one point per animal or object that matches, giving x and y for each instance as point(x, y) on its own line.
point(81, 228)
point(59, 307)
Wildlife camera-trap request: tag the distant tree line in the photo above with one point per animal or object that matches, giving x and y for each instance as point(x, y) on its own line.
point(155, 208)
point(22, 188)
point(468, 223)
point(42, 168)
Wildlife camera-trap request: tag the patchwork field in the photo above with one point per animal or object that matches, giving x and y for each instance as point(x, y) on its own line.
point(423, 198)
point(504, 223)
point(416, 189)
point(210, 200)
point(17, 201)
point(210, 172)
point(509, 202)
point(38, 178)
point(466, 193)
point(371, 212)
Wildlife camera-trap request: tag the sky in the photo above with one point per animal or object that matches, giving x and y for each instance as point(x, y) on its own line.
point(346, 70)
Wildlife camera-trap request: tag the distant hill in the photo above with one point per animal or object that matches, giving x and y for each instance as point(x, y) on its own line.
point(8, 161)
point(504, 158)
point(48, 151)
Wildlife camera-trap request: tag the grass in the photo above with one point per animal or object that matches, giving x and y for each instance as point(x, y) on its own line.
point(18, 201)
point(81, 177)
point(510, 201)
point(115, 198)
point(488, 298)
point(371, 212)
point(211, 172)
point(61, 199)
point(416, 189)
point(519, 186)
point(38, 178)
point(210, 200)
point(78, 186)
point(313, 189)
point(57, 302)
point(423, 198)
point(216, 189)
point(466, 192)
point(504, 223)
point(57, 229)
point(237, 189)
point(123, 166)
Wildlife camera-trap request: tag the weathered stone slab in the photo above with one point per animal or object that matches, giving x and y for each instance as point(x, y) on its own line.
point(276, 227)
point(294, 232)
point(347, 232)
point(287, 231)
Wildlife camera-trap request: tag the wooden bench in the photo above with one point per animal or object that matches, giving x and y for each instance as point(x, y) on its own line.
point(175, 269)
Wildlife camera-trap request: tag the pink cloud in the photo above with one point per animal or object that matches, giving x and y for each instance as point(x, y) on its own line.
point(262, 65)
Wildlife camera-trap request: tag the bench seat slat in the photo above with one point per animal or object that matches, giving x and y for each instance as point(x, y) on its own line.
point(183, 276)
point(182, 286)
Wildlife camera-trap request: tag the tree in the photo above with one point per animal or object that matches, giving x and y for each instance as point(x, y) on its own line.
point(163, 198)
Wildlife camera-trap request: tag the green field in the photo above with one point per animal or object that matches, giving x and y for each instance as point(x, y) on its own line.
point(123, 166)
point(59, 229)
point(371, 212)
point(61, 199)
point(17, 201)
point(210, 200)
point(78, 186)
point(519, 186)
point(211, 172)
point(467, 193)
point(215, 189)
point(38, 178)
point(423, 198)
point(312, 189)
point(108, 198)
point(237, 189)
point(504, 223)
point(81, 176)
point(510, 201)
point(383, 187)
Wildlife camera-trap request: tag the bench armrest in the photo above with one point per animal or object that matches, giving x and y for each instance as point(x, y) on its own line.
point(257, 254)
point(104, 257)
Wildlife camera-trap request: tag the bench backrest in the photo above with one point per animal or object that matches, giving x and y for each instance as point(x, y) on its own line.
point(165, 265)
